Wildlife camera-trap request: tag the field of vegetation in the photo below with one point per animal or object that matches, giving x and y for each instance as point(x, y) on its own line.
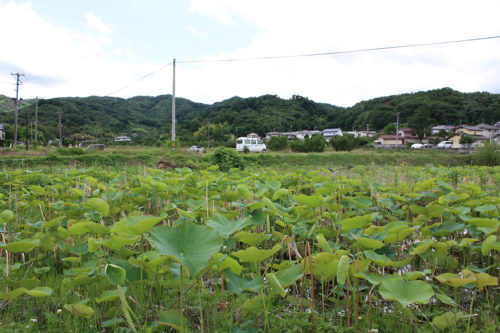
point(351, 248)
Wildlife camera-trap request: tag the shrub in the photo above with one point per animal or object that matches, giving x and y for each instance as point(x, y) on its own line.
point(347, 142)
point(226, 159)
point(277, 143)
point(488, 155)
point(314, 144)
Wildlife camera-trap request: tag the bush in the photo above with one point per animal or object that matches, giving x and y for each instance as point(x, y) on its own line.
point(314, 144)
point(488, 155)
point(347, 142)
point(226, 159)
point(277, 143)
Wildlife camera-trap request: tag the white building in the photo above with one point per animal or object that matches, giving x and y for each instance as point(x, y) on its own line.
point(123, 138)
point(331, 133)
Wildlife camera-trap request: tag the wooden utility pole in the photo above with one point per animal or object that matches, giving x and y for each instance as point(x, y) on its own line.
point(18, 83)
point(59, 126)
point(397, 128)
point(173, 107)
point(36, 119)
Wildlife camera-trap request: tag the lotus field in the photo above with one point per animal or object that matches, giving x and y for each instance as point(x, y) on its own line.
point(364, 249)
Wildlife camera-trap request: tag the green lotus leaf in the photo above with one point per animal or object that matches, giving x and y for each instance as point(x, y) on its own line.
point(113, 322)
point(356, 222)
point(109, 295)
point(225, 227)
point(445, 299)
point(406, 292)
point(484, 223)
point(223, 261)
point(244, 191)
point(21, 246)
point(81, 310)
point(253, 254)
point(190, 244)
point(39, 292)
point(6, 216)
point(454, 280)
point(136, 225)
point(413, 275)
point(367, 243)
point(343, 269)
point(373, 278)
point(289, 275)
point(237, 284)
point(275, 284)
point(281, 193)
point(115, 274)
point(251, 238)
point(490, 243)
point(447, 319)
point(98, 205)
point(422, 246)
point(382, 260)
point(313, 201)
point(324, 265)
point(257, 217)
point(430, 211)
point(323, 243)
point(484, 279)
point(274, 184)
point(174, 319)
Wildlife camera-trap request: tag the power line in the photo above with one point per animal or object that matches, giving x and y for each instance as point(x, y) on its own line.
point(139, 79)
point(343, 52)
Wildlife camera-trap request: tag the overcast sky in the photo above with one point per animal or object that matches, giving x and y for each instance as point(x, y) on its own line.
point(96, 47)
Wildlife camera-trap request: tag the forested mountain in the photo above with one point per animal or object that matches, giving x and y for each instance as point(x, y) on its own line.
point(151, 116)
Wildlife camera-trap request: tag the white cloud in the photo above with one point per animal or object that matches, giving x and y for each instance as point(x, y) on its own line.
point(195, 32)
point(96, 23)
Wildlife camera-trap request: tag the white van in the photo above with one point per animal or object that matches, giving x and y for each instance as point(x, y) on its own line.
point(253, 144)
point(445, 144)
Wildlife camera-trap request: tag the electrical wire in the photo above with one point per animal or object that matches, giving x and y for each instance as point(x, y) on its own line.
point(343, 52)
point(139, 79)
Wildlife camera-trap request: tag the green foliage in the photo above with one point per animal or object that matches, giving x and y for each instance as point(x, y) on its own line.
point(347, 142)
point(467, 140)
point(277, 143)
point(315, 144)
point(488, 155)
point(226, 159)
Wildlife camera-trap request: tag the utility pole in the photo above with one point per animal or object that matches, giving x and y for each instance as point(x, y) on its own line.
point(26, 131)
point(397, 128)
point(173, 107)
point(36, 119)
point(59, 127)
point(18, 83)
point(208, 135)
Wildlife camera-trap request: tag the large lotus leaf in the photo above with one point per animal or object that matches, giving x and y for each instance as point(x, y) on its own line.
point(490, 243)
point(115, 274)
point(343, 269)
point(118, 242)
point(422, 247)
point(223, 261)
point(281, 193)
point(430, 211)
point(324, 265)
point(406, 292)
point(98, 205)
point(225, 227)
point(35, 292)
point(373, 278)
point(190, 244)
point(6, 216)
point(108, 296)
point(253, 254)
point(136, 225)
point(356, 222)
point(237, 284)
point(81, 310)
point(86, 227)
point(444, 229)
point(21, 246)
point(367, 243)
point(323, 243)
point(275, 284)
point(382, 260)
point(484, 279)
point(446, 320)
point(244, 191)
point(454, 280)
point(174, 319)
point(313, 201)
point(251, 238)
point(484, 223)
point(289, 275)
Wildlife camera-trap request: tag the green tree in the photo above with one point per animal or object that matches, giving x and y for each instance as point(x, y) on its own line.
point(390, 128)
point(467, 140)
point(277, 143)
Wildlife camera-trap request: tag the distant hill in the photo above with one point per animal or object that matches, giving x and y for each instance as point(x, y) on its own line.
point(151, 116)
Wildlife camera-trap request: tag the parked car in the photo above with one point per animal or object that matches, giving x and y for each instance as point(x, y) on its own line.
point(253, 144)
point(417, 146)
point(445, 144)
point(196, 148)
point(428, 145)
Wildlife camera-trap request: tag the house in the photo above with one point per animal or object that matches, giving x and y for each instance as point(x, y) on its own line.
point(123, 138)
point(367, 134)
point(488, 130)
point(270, 135)
point(253, 135)
point(331, 132)
point(410, 137)
point(301, 135)
point(389, 141)
point(439, 128)
point(479, 140)
point(2, 132)
point(469, 130)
